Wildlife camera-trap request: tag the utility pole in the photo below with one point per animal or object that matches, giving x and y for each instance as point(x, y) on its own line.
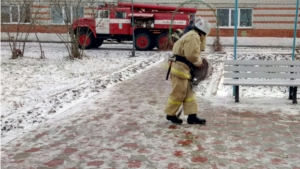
point(133, 37)
point(236, 13)
point(295, 30)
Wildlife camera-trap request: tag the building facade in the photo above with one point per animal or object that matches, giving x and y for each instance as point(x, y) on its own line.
point(257, 18)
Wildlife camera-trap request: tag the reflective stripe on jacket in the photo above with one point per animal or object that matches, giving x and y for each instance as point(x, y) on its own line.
point(187, 46)
point(177, 72)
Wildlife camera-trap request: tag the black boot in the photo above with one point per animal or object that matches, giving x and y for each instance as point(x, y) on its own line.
point(193, 119)
point(174, 119)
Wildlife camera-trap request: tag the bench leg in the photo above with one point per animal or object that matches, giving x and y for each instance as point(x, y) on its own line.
point(291, 93)
point(237, 93)
point(295, 95)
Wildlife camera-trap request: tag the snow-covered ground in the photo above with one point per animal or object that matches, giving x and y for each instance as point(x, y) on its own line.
point(29, 80)
point(214, 87)
point(34, 90)
point(265, 98)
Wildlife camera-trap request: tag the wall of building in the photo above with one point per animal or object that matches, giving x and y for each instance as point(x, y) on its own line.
point(271, 18)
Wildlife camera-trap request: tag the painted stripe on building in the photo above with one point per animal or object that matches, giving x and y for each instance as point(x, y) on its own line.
point(275, 9)
point(212, 18)
point(255, 11)
point(277, 22)
point(205, 9)
point(89, 14)
point(279, 5)
point(43, 19)
point(274, 19)
point(205, 15)
point(275, 15)
point(40, 6)
point(267, 26)
point(275, 12)
point(40, 13)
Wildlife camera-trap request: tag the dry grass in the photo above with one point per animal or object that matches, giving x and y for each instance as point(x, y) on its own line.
point(16, 53)
point(168, 46)
point(217, 46)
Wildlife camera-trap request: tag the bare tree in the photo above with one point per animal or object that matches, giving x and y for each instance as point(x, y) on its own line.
point(35, 15)
point(16, 23)
point(217, 46)
point(68, 11)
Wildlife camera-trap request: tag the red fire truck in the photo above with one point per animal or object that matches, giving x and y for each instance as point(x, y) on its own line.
point(151, 24)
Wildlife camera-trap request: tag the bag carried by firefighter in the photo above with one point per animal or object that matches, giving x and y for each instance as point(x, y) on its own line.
point(203, 73)
point(199, 74)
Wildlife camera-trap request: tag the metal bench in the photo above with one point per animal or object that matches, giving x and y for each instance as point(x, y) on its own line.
point(262, 73)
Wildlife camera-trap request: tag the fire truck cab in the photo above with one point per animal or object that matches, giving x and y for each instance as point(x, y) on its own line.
point(151, 24)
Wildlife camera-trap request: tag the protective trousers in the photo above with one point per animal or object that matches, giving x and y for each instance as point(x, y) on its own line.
point(182, 93)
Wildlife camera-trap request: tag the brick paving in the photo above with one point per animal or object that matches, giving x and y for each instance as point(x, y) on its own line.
point(125, 127)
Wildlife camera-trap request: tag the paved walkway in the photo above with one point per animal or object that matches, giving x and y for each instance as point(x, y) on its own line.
point(125, 127)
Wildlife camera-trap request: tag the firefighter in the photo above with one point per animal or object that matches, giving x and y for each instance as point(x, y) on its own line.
point(187, 52)
point(203, 38)
point(189, 27)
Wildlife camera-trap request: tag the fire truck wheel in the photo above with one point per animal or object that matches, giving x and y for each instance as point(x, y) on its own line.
point(97, 43)
point(142, 41)
point(161, 40)
point(88, 38)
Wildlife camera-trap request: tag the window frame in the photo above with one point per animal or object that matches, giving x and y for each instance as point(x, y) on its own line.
point(64, 14)
point(11, 16)
point(239, 19)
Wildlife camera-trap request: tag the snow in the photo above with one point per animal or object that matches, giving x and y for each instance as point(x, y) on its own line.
point(214, 87)
point(264, 104)
point(34, 90)
point(265, 98)
point(30, 80)
point(228, 41)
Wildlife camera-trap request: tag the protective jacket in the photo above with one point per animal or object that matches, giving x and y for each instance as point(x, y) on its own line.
point(187, 46)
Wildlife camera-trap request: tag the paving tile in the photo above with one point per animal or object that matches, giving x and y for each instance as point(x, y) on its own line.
point(125, 127)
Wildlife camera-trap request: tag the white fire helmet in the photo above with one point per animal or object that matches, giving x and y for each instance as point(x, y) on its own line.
point(202, 25)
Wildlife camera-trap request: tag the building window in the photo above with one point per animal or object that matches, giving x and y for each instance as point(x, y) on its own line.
point(15, 14)
point(60, 15)
point(226, 17)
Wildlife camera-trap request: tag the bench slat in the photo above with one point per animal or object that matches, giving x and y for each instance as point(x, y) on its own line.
point(262, 69)
point(252, 82)
point(261, 62)
point(261, 75)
